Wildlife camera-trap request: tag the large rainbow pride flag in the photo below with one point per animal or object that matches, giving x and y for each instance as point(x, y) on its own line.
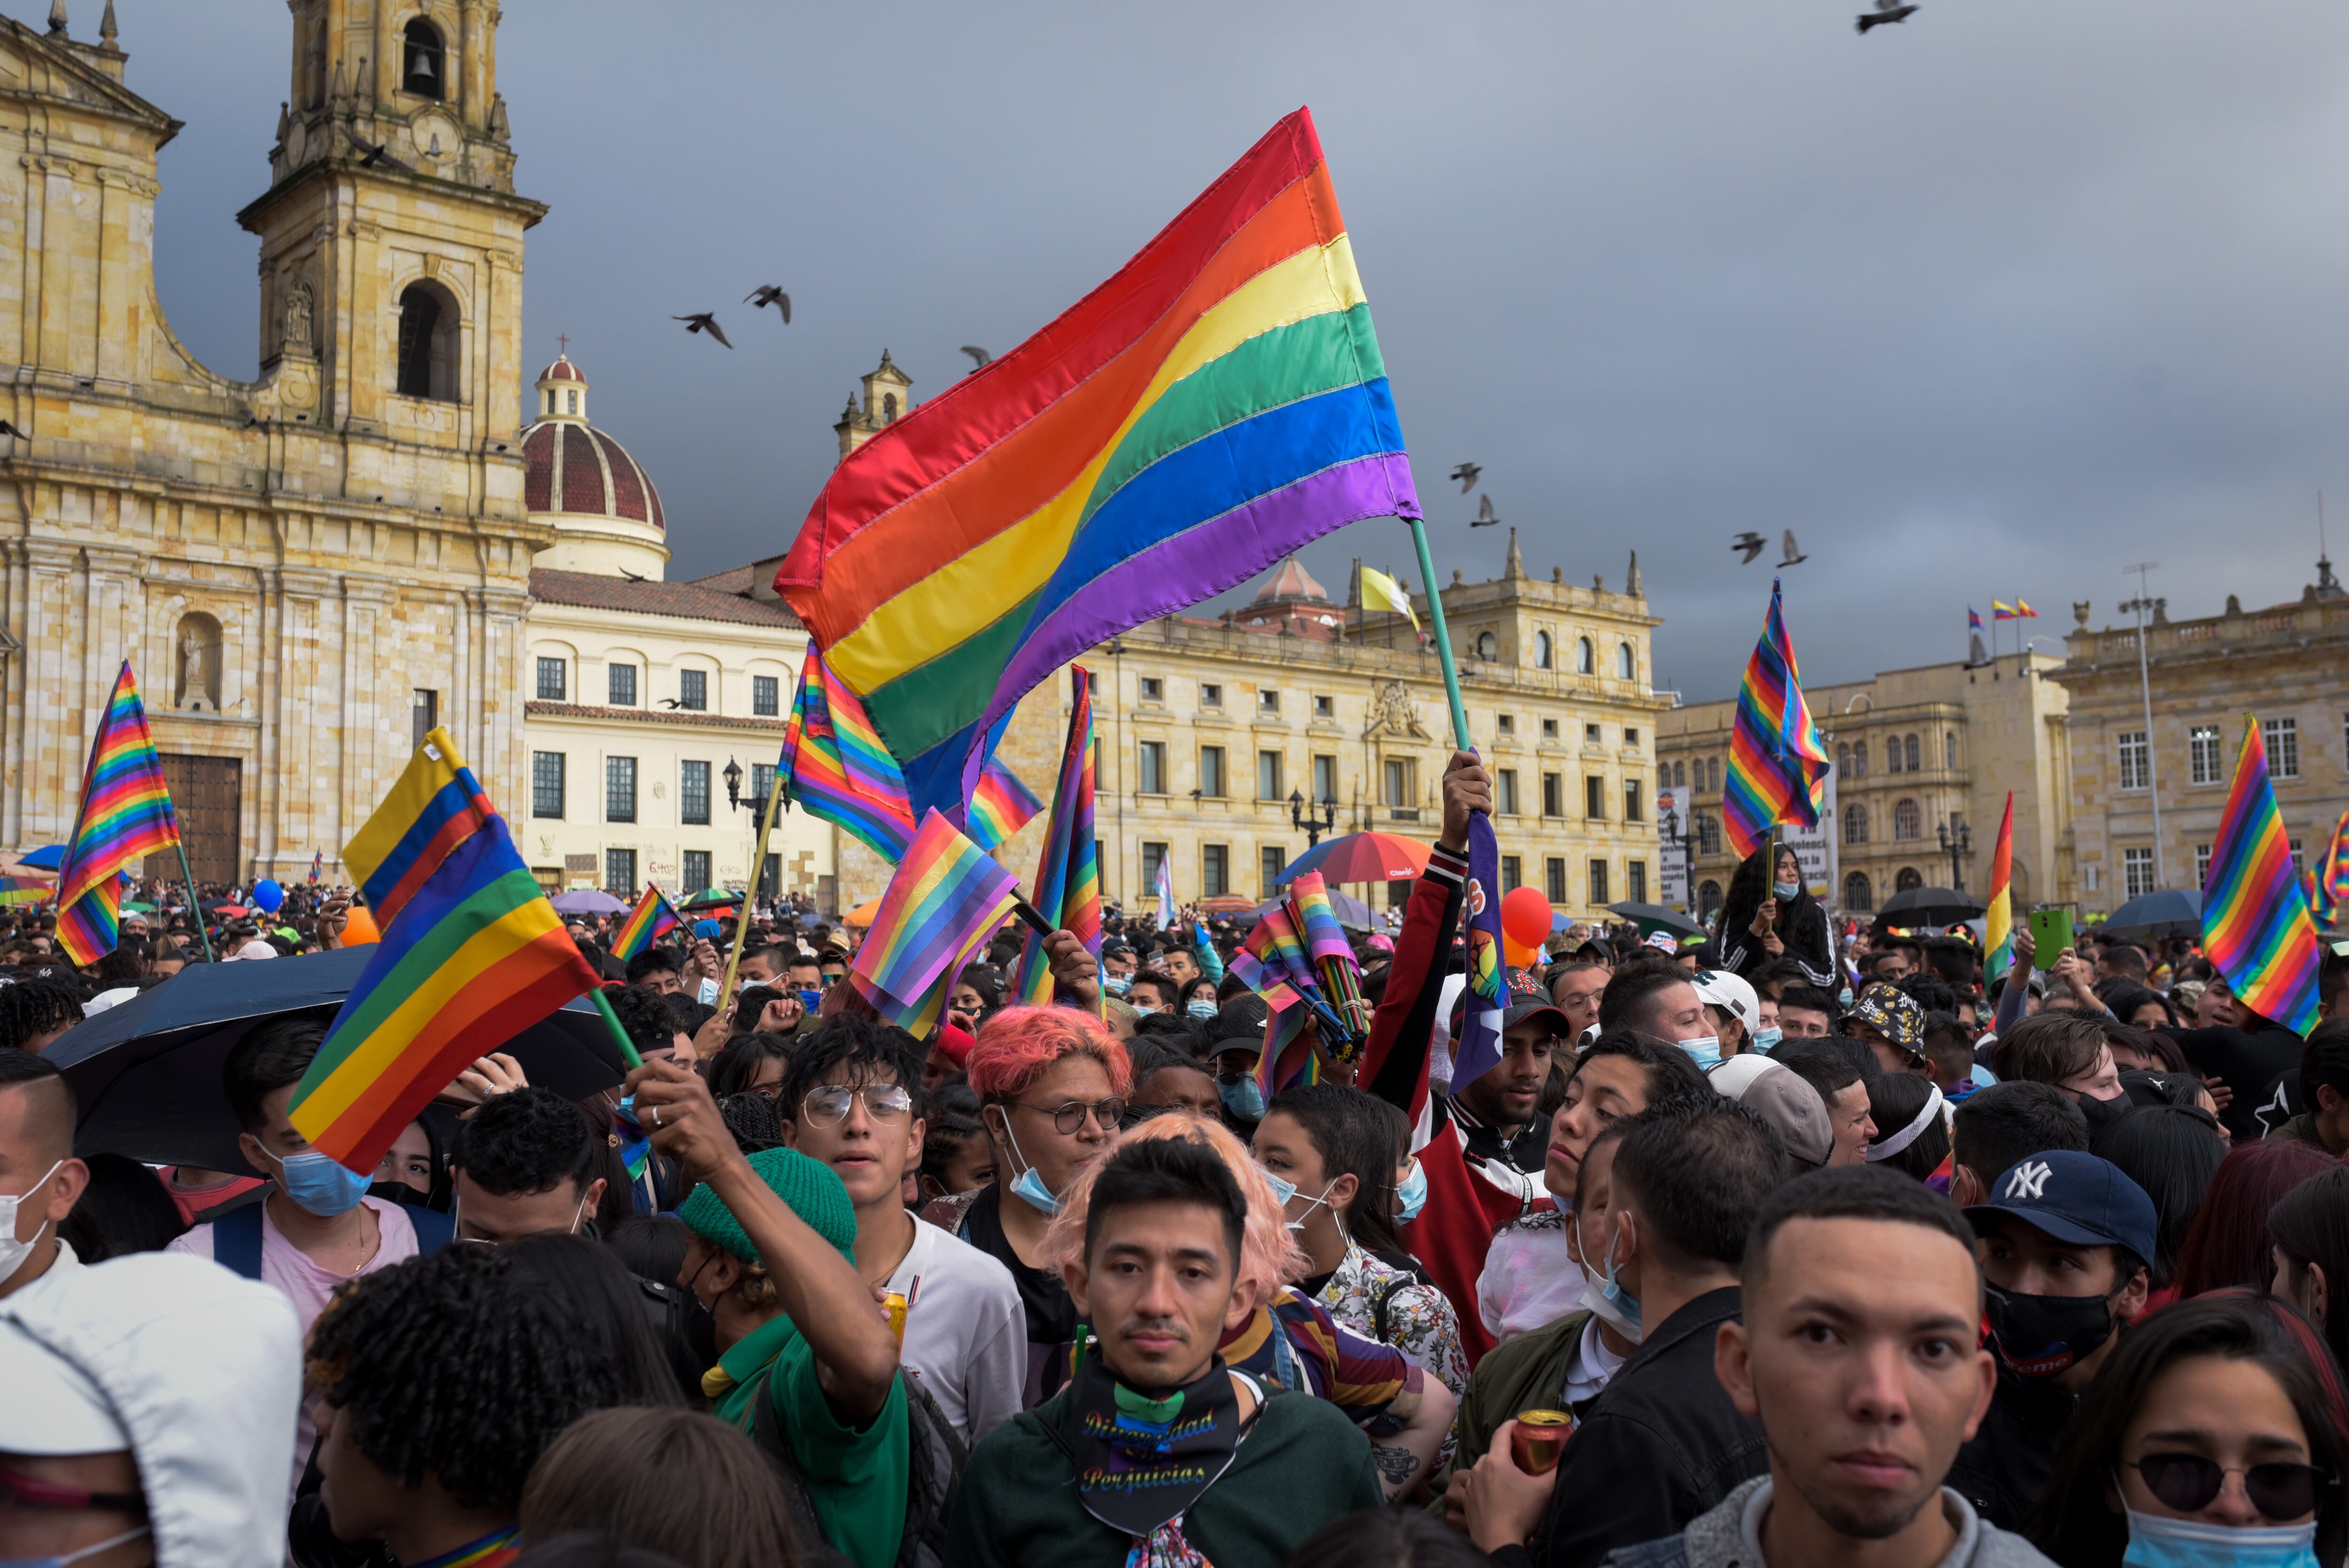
point(2330, 904)
point(125, 815)
point(1778, 769)
point(1218, 403)
point(2255, 923)
point(1067, 871)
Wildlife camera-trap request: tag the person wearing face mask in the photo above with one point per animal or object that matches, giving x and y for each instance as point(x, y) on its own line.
point(1152, 991)
point(1734, 1011)
point(1769, 914)
point(524, 1164)
point(1199, 999)
point(39, 1178)
point(2066, 1245)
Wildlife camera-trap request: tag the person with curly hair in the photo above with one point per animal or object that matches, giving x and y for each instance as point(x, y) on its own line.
point(524, 1163)
point(34, 1012)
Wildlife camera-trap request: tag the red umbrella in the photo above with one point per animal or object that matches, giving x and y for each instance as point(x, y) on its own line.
point(1362, 858)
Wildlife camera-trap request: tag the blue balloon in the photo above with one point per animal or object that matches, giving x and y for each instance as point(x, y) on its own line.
point(268, 896)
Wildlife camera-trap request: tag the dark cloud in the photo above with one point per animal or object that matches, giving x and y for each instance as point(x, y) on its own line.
point(1990, 302)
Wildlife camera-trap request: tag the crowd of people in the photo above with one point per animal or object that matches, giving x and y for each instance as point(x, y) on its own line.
point(1781, 1246)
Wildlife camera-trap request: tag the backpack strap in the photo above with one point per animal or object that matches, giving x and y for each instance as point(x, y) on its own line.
point(236, 1241)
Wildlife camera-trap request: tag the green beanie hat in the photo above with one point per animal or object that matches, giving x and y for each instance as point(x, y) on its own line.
point(809, 1188)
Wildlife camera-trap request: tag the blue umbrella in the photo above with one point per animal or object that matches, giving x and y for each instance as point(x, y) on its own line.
point(2171, 911)
point(48, 857)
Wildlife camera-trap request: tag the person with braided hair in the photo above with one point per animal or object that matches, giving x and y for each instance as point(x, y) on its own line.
point(442, 1380)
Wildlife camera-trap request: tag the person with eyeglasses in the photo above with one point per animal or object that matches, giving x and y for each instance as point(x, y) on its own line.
point(852, 1099)
point(2213, 1435)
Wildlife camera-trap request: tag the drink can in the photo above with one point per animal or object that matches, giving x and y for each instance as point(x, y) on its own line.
point(1539, 1439)
point(894, 1305)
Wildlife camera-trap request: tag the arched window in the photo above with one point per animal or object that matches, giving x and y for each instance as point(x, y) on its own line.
point(1906, 880)
point(1586, 657)
point(1949, 751)
point(1907, 822)
point(1708, 899)
point(1892, 753)
point(1855, 823)
point(888, 408)
point(1859, 759)
point(570, 400)
point(1541, 651)
point(1625, 665)
point(1916, 755)
point(1679, 775)
point(427, 344)
point(1858, 894)
point(425, 68)
point(1487, 646)
point(1708, 834)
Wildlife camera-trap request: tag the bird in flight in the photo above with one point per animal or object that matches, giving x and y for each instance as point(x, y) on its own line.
point(1886, 11)
point(1466, 474)
point(374, 153)
point(767, 294)
point(702, 320)
point(1483, 517)
point(1795, 557)
point(979, 357)
point(668, 702)
point(1751, 543)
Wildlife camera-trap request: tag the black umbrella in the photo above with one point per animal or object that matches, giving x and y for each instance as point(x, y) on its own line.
point(2172, 912)
point(147, 1074)
point(1928, 906)
point(1654, 917)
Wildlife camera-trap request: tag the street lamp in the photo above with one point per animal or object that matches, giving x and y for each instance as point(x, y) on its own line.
point(1303, 817)
point(733, 785)
point(1957, 845)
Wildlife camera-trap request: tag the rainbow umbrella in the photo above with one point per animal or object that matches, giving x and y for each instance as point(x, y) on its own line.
point(1360, 857)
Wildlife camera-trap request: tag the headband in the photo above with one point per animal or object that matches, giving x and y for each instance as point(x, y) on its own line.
point(1934, 1105)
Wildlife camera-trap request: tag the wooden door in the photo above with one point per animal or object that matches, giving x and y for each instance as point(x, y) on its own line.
point(208, 794)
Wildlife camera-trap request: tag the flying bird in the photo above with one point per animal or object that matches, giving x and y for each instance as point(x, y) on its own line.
point(668, 702)
point(634, 576)
point(1751, 543)
point(1795, 557)
point(1886, 11)
point(374, 153)
point(766, 295)
point(979, 357)
point(702, 320)
point(1466, 474)
point(1483, 517)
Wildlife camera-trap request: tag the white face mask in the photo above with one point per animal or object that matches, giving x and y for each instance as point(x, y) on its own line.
point(1606, 1297)
point(12, 1252)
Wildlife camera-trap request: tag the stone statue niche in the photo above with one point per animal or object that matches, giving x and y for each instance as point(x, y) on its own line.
point(198, 647)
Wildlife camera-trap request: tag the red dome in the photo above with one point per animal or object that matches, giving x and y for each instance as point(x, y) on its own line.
point(562, 370)
point(582, 471)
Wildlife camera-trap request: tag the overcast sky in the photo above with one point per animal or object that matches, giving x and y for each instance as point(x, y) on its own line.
point(1990, 302)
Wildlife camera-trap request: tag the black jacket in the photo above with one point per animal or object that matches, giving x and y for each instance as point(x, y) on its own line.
point(1659, 1445)
point(2003, 1470)
point(2250, 1062)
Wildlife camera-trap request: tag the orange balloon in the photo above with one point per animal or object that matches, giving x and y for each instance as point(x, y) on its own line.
point(359, 928)
point(1525, 917)
point(1517, 953)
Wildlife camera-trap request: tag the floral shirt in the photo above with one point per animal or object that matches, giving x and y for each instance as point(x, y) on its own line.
point(1419, 1321)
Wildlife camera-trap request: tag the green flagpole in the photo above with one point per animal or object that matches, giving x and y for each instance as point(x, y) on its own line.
point(194, 909)
point(1443, 635)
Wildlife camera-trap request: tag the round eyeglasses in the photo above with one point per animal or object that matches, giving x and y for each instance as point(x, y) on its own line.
point(1070, 1115)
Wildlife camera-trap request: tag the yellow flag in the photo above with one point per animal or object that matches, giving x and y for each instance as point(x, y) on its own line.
point(1380, 591)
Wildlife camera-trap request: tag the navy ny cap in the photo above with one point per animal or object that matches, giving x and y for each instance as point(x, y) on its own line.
point(2075, 1198)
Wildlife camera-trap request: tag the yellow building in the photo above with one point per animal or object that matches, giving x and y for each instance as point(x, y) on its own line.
point(2287, 664)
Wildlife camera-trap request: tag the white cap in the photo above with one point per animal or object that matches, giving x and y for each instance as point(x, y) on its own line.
point(1723, 989)
point(257, 948)
point(52, 1406)
point(1734, 1073)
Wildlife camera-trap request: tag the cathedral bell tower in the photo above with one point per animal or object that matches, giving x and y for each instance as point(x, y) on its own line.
point(391, 242)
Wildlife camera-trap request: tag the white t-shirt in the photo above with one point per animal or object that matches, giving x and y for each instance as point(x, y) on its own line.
point(1594, 1364)
point(966, 1334)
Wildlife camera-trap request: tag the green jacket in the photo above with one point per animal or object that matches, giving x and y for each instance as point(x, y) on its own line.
point(1300, 1466)
point(856, 1480)
point(2302, 1129)
point(1528, 1373)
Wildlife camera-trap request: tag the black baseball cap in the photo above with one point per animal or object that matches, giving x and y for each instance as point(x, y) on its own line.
point(2075, 1198)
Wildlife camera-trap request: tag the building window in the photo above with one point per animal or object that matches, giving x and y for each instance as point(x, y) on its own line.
point(1153, 690)
point(1593, 736)
point(546, 785)
point(2136, 761)
point(1487, 646)
point(1267, 701)
point(1586, 657)
point(425, 69)
point(1553, 795)
point(693, 797)
point(571, 402)
point(1553, 873)
point(1843, 759)
point(620, 873)
point(766, 697)
point(1908, 821)
point(1892, 753)
point(1635, 880)
point(1267, 776)
point(619, 789)
point(1402, 783)
point(1273, 860)
point(693, 690)
point(423, 716)
point(2201, 865)
point(1513, 872)
point(1092, 683)
point(1708, 899)
point(696, 874)
point(1599, 895)
point(2298, 867)
point(1211, 695)
point(1949, 751)
point(1678, 771)
point(1594, 798)
point(2206, 756)
point(1632, 807)
point(1215, 869)
point(1211, 772)
point(1549, 729)
point(1631, 734)
point(1542, 655)
point(428, 344)
point(1906, 878)
point(620, 686)
point(1325, 779)
point(1707, 834)
point(1858, 894)
point(1915, 752)
point(1859, 759)
point(1325, 707)
point(2136, 871)
point(2281, 737)
point(1626, 666)
point(1855, 823)
point(1150, 768)
point(1506, 723)
point(553, 685)
point(1505, 792)
point(1153, 857)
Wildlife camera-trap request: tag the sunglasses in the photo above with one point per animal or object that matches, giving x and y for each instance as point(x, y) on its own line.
point(2190, 1482)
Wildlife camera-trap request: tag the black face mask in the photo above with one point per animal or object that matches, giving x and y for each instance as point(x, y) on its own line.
point(2045, 1336)
point(2101, 1112)
point(395, 1192)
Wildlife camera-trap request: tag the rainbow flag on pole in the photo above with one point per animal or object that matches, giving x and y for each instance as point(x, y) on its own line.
point(651, 921)
point(1067, 875)
point(946, 896)
point(1997, 920)
point(2255, 922)
point(435, 805)
point(473, 956)
point(125, 816)
point(999, 807)
point(1218, 404)
point(2331, 901)
point(836, 767)
point(1778, 769)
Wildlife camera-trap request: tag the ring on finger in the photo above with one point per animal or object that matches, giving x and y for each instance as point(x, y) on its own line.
point(656, 1120)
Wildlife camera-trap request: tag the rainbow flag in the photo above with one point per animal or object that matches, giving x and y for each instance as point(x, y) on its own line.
point(835, 767)
point(2329, 902)
point(27, 889)
point(1218, 404)
point(317, 865)
point(649, 923)
point(1778, 769)
point(474, 955)
point(1278, 961)
point(1068, 874)
point(125, 815)
point(946, 898)
point(999, 807)
point(1997, 920)
point(436, 805)
point(2255, 923)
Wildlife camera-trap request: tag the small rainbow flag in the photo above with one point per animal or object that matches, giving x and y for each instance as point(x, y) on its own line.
point(1068, 874)
point(317, 865)
point(836, 767)
point(2255, 922)
point(474, 955)
point(1280, 962)
point(648, 924)
point(999, 807)
point(1778, 769)
point(125, 815)
point(2331, 901)
point(946, 898)
point(1997, 920)
point(1332, 954)
point(436, 805)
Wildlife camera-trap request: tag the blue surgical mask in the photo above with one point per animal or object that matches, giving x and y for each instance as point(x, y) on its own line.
point(1704, 1050)
point(1787, 890)
point(1200, 1009)
point(1766, 1040)
point(2156, 1541)
point(75, 1556)
point(1117, 984)
point(1606, 1296)
point(1027, 1186)
point(1413, 1193)
point(1843, 995)
point(317, 1185)
point(810, 1000)
point(1283, 1189)
point(1241, 1095)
